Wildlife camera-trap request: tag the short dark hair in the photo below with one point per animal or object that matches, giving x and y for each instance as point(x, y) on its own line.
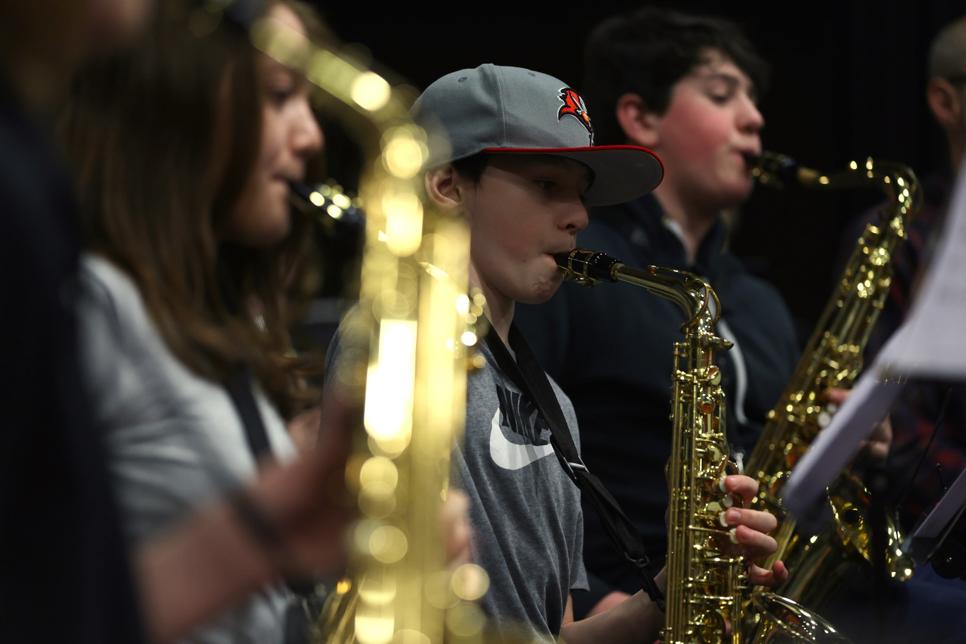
point(471, 168)
point(646, 52)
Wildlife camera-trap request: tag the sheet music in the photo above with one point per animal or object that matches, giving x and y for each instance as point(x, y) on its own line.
point(936, 346)
point(870, 401)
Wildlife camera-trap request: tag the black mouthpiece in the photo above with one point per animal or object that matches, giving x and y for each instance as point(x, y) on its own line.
point(587, 264)
point(337, 208)
point(300, 189)
point(787, 168)
point(776, 169)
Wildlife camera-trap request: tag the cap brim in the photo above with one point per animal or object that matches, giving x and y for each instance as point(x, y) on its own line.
point(622, 173)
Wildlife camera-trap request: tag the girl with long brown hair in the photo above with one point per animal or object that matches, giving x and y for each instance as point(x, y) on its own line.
point(184, 151)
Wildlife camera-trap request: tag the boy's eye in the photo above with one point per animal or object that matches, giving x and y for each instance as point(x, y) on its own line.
point(721, 95)
point(545, 184)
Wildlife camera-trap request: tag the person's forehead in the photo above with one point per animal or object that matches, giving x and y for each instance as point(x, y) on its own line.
point(714, 63)
point(533, 162)
point(283, 17)
point(537, 160)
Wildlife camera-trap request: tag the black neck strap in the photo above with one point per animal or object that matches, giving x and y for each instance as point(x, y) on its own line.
point(239, 388)
point(529, 377)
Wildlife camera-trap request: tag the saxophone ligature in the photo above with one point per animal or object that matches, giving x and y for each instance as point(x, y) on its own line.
point(406, 345)
point(833, 358)
point(706, 580)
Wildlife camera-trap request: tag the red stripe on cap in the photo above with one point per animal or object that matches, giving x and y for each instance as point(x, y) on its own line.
point(589, 148)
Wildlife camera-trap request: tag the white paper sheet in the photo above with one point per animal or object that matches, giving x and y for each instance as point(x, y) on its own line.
point(870, 401)
point(936, 343)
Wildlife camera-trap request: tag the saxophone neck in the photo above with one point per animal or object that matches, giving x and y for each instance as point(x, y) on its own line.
point(897, 181)
point(693, 295)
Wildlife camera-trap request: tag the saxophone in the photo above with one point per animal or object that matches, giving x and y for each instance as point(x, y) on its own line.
point(706, 582)
point(407, 344)
point(833, 358)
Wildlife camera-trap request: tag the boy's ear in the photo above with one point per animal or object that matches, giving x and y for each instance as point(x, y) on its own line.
point(443, 187)
point(639, 124)
point(944, 103)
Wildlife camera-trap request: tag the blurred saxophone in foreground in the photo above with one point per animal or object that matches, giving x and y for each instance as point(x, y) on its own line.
point(833, 358)
point(706, 581)
point(406, 345)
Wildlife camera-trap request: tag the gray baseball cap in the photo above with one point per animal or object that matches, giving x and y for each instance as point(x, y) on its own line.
point(511, 110)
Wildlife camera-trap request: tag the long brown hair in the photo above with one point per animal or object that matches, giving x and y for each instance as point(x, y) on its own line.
point(163, 140)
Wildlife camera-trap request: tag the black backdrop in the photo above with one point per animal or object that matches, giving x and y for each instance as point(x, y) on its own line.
point(847, 82)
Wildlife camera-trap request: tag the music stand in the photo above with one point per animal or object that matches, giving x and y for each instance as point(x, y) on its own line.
point(933, 530)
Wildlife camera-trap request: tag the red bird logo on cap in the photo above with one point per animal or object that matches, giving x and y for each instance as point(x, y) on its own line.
point(573, 105)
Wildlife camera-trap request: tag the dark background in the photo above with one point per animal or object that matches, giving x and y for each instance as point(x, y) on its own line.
point(848, 81)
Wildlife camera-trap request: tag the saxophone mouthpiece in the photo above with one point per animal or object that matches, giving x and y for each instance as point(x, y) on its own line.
point(562, 259)
point(327, 200)
point(300, 190)
point(772, 169)
point(586, 266)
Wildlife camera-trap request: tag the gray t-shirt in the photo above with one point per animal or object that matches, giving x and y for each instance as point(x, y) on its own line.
point(175, 441)
point(526, 515)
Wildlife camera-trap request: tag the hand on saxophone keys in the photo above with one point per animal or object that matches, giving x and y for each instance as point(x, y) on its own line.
point(750, 531)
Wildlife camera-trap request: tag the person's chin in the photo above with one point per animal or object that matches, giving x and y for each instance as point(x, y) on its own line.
point(273, 232)
point(738, 189)
point(543, 291)
point(279, 232)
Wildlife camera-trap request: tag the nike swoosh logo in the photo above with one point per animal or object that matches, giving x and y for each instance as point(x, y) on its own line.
point(511, 456)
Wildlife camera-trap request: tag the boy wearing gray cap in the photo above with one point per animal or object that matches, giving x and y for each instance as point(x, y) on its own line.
point(521, 167)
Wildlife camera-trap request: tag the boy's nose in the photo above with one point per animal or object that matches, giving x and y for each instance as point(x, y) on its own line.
point(575, 219)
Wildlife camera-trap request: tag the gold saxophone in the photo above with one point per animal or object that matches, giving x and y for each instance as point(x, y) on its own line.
point(833, 358)
point(706, 583)
point(407, 344)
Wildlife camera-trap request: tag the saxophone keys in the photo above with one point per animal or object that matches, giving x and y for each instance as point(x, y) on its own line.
point(714, 375)
point(706, 404)
point(825, 416)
